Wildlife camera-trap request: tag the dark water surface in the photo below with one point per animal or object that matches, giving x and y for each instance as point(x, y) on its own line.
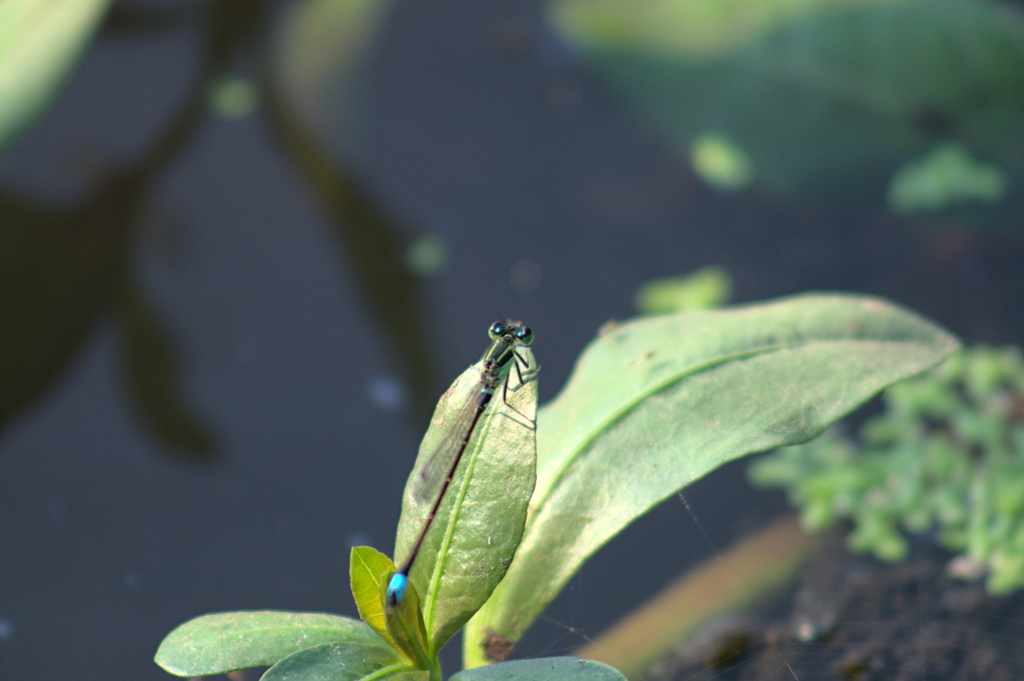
point(303, 365)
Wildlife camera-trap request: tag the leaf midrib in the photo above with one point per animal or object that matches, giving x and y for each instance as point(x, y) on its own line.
point(657, 387)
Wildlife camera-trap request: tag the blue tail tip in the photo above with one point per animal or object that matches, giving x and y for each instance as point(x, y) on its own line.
point(397, 587)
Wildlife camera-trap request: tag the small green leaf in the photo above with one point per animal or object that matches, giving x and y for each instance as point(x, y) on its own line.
point(346, 661)
point(480, 521)
point(706, 288)
point(543, 669)
point(405, 625)
point(659, 402)
point(40, 40)
point(233, 98)
point(366, 567)
point(226, 641)
point(947, 176)
point(721, 162)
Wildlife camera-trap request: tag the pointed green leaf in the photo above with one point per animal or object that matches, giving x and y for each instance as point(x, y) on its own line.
point(226, 641)
point(40, 40)
point(348, 661)
point(543, 669)
point(366, 567)
point(480, 522)
point(405, 625)
point(659, 402)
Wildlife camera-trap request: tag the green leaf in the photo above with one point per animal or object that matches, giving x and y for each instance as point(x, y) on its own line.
point(480, 521)
point(366, 567)
point(343, 662)
point(698, 29)
point(405, 626)
point(706, 288)
point(543, 669)
point(947, 176)
point(657, 403)
point(720, 162)
point(814, 92)
point(226, 641)
point(40, 40)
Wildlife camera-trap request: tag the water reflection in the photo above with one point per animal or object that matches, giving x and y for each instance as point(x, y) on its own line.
point(64, 269)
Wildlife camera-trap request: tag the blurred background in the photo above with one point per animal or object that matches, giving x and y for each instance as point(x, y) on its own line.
point(246, 244)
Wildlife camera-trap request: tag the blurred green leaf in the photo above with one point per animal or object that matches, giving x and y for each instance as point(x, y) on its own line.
point(698, 29)
point(318, 58)
point(233, 98)
point(543, 669)
point(40, 41)
point(821, 95)
point(721, 162)
point(706, 288)
point(223, 642)
point(480, 522)
point(945, 177)
point(656, 403)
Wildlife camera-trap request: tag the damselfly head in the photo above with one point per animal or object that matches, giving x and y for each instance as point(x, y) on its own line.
point(511, 330)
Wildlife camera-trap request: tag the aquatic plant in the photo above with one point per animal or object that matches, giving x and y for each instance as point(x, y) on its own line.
point(652, 404)
point(946, 455)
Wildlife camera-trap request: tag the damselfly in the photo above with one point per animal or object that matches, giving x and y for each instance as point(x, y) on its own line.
point(436, 475)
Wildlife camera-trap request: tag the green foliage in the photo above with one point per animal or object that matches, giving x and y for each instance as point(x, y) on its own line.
point(464, 555)
point(721, 162)
point(367, 569)
point(480, 522)
point(658, 402)
point(695, 28)
point(706, 288)
point(233, 98)
point(545, 669)
point(653, 404)
point(820, 95)
point(946, 177)
point(947, 454)
point(40, 41)
point(223, 642)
